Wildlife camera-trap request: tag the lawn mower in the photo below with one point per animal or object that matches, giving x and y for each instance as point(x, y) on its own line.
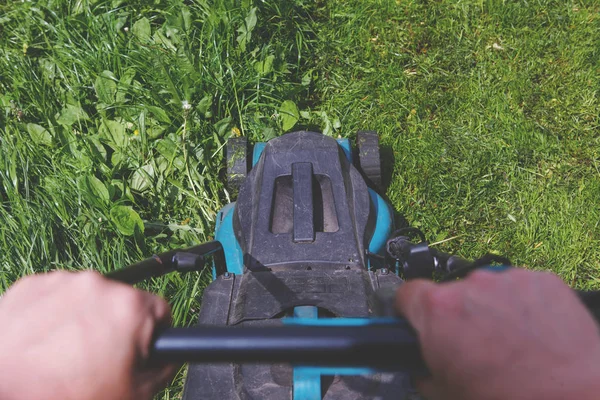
point(304, 264)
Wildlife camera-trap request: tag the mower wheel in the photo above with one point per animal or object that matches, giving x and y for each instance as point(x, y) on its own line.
point(236, 153)
point(367, 144)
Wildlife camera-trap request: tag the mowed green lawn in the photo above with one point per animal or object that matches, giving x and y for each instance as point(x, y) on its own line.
point(114, 115)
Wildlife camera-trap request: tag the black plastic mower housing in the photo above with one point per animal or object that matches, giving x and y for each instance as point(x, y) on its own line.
point(303, 205)
point(304, 226)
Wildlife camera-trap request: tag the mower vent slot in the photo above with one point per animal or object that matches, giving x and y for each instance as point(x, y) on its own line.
point(323, 216)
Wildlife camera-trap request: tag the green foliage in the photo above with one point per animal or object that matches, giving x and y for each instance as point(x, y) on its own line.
point(289, 115)
point(126, 220)
point(39, 134)
point(245, 29)
point(113, 118)
point(142, 30)
point(491, 112)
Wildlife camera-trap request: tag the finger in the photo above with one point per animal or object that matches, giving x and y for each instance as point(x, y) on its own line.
point(158, 316)
point(160, 309)
point(151, 380)
point(412, 299)
point(153, 376)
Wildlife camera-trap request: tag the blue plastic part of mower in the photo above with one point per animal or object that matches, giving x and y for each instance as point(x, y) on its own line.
point(310, 312)
point(307, 379)
point(257, 151)
point(339, 321)
point(345, 145)
point(384, 224)
point(234, 258)
point(307, 384)
point(333, 371)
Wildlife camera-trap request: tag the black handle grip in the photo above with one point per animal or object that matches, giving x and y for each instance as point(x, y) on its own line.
point(182, 260)
point(390, 346)
point(150, 268)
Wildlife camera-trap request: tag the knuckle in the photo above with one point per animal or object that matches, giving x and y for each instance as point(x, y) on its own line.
point(59, 274)
point(89, 281)
point(520, 278)
point(129, 303)
point(159, 305)
point(445, 300)
point(26, 281)
point(540, 282)
point(128, 296)
point(521, 273)
point(550, 279)
point(483, 277)
point(482, 281)
point(29, 281)
point(89, 274)
point(429, 301)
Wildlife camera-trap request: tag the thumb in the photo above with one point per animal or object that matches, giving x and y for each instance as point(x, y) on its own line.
point(413, 301)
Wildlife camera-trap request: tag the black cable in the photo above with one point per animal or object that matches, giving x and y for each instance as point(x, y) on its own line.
point(485, 261)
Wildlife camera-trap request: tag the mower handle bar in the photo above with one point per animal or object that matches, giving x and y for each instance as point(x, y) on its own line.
point(381, 346)
point(388, 347)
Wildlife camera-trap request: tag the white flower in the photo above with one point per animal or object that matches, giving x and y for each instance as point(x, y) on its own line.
point(186, 105)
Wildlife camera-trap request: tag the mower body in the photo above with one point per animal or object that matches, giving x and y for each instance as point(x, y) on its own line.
point(303, 244)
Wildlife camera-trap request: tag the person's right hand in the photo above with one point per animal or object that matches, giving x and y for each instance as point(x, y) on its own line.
point(512, 335)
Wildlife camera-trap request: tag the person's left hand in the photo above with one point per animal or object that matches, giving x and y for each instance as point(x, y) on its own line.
point(79, 336)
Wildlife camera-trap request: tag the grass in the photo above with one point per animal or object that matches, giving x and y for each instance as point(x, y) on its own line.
point(492, 112)
point(114, 115)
